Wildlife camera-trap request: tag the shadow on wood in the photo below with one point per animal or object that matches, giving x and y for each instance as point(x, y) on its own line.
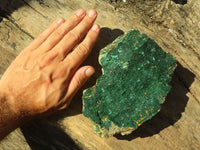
point(171, 109)
point(9, 6)
point(41, 135)
point(182, 2)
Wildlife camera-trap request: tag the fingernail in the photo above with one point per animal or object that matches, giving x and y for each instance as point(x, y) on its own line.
point(80, 13)
point(92, 13)
point(95, 27)
point(61, 20)
point(89, 72)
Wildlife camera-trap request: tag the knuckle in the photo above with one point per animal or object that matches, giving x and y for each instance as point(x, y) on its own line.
point(87, 23)
point(74, 35)
point(71, 67)
point(47, 59)
point(82, 50)
point(78, 82)
point(61, 54)
point(75, 18)
point(58, 33)
point(49, 43)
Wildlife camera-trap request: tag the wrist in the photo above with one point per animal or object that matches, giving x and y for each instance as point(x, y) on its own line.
point(10, 117)
point(7, 102)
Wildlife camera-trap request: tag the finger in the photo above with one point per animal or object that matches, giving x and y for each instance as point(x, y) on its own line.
point(67, 67)
point(74, 36)
point(60, 32)
point(42, 37)
point(77, 81)
point(84, 48)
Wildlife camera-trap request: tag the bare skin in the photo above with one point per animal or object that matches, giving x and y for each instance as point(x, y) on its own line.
point(46, 75)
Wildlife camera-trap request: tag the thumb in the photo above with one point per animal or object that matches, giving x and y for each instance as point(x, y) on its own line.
point(77, 81)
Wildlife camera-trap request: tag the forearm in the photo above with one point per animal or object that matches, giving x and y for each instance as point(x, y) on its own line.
point(9, 119)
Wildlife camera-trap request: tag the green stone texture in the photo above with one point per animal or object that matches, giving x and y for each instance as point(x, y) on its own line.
point(134, 84)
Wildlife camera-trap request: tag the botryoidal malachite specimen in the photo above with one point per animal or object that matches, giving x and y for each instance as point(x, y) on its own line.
point(134, 84)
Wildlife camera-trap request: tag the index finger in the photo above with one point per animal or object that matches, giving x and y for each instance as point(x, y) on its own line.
point(81, 52)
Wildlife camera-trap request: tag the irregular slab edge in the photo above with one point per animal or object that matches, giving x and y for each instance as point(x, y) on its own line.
point(113, 128)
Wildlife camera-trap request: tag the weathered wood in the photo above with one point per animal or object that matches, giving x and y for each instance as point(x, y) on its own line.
point(176, 28)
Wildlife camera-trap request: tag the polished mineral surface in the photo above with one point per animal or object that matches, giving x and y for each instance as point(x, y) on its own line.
point(134, 84)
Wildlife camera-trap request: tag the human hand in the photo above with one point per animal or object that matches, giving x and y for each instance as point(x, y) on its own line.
point(45, 75)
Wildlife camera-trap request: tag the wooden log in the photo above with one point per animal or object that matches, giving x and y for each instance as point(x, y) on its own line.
point(174, 27)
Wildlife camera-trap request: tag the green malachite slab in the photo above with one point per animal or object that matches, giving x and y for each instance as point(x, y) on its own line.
point(134, 84)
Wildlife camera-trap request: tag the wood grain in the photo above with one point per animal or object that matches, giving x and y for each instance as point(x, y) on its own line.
point(176, 28)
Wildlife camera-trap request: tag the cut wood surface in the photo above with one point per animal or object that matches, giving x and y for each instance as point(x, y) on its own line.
point(175, 27)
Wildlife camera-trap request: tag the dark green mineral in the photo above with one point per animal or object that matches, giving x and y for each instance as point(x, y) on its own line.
point(134, 84)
